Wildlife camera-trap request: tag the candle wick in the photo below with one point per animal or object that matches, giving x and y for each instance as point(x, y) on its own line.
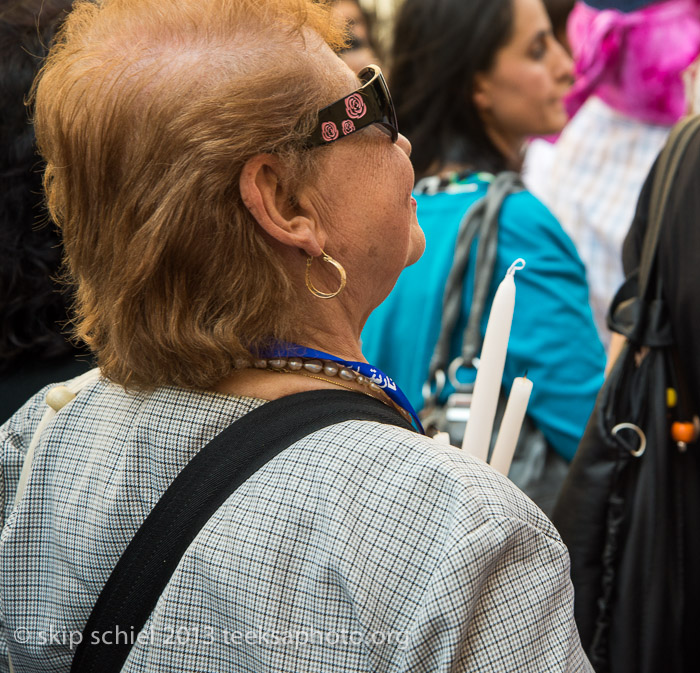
point(517, 265)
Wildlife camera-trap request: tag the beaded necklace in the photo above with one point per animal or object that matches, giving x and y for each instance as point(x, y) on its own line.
point(311, 362)
point(329, 372)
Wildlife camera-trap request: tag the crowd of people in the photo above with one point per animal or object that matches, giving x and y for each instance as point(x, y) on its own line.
point(216, 208)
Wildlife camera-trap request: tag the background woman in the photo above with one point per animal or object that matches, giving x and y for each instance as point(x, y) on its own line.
point(471, 82)
point(213, 166)
point(630, 56)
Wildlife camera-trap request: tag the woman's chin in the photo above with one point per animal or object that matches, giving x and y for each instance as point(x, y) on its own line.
point(558, 121)
point(417, 246)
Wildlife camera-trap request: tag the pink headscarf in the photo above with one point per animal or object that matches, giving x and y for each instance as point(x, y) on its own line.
point(634, 61)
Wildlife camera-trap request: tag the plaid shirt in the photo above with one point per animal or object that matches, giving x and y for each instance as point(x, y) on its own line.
point(362, 547)
point(591, 180)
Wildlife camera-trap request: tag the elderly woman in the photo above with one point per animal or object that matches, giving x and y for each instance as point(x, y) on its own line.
point(234, 204)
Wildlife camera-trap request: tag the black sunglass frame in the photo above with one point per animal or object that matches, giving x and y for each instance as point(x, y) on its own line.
point(370, 104)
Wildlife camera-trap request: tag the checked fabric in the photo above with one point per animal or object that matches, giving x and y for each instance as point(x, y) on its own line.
point(362, 547)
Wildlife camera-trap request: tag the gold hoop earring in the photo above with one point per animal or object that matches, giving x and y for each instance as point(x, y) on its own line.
point(337, 265)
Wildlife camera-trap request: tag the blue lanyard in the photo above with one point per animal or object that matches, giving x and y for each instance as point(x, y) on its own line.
point(368, 371)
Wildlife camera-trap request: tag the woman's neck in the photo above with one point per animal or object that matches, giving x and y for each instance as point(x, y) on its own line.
point(340, 346)
point(512, 154)
point(511, 148)
point(332, 326)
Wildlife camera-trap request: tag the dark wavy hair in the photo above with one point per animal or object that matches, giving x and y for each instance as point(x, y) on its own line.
point(32, 306)
point(438, 47)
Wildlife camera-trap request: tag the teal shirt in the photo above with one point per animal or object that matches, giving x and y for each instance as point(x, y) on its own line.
point(553, 337)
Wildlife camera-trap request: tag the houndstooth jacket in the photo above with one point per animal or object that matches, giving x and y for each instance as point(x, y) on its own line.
point(362, 547)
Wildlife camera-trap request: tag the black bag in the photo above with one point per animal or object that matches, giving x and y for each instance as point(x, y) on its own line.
point(629, 510)
point(536, 468)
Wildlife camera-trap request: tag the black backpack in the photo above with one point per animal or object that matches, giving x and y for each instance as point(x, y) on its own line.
point(629, 510)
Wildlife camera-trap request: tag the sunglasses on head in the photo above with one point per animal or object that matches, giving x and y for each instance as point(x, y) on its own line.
point(370, 104)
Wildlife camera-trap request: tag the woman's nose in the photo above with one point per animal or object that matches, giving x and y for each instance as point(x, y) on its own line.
point(564, 65)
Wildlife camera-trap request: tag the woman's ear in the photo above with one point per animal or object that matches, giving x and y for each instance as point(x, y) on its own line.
point(481, 94)
point(266, 195)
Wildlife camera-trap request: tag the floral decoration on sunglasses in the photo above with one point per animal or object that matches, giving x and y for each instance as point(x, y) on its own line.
point(370, 104)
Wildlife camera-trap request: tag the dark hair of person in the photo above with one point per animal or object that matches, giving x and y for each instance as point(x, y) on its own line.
point(558, 12)
point(438, 47)
point(32, 308)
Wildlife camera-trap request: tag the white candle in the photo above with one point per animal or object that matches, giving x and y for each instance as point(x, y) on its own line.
point(510, 426)
point(477, 437)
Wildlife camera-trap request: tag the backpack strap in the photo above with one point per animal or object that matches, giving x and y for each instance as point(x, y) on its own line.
point(480, 221)
point(638, 310)
point(666, 171)
point(204, 484)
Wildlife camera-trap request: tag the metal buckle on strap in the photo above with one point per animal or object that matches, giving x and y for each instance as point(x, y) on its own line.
point(452, 374)
point(431, 396)
point(640, 433)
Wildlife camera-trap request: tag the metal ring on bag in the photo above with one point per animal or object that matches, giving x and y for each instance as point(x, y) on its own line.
point(428, 395)
point(640, 434)
point(452, 376)
point(452, 371)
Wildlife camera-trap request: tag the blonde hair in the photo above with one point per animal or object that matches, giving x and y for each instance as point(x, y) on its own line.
point(146, 111)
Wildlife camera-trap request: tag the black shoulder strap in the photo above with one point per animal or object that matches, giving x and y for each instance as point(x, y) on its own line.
point(667, 168)
point(145, 568)
point(637, 310)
